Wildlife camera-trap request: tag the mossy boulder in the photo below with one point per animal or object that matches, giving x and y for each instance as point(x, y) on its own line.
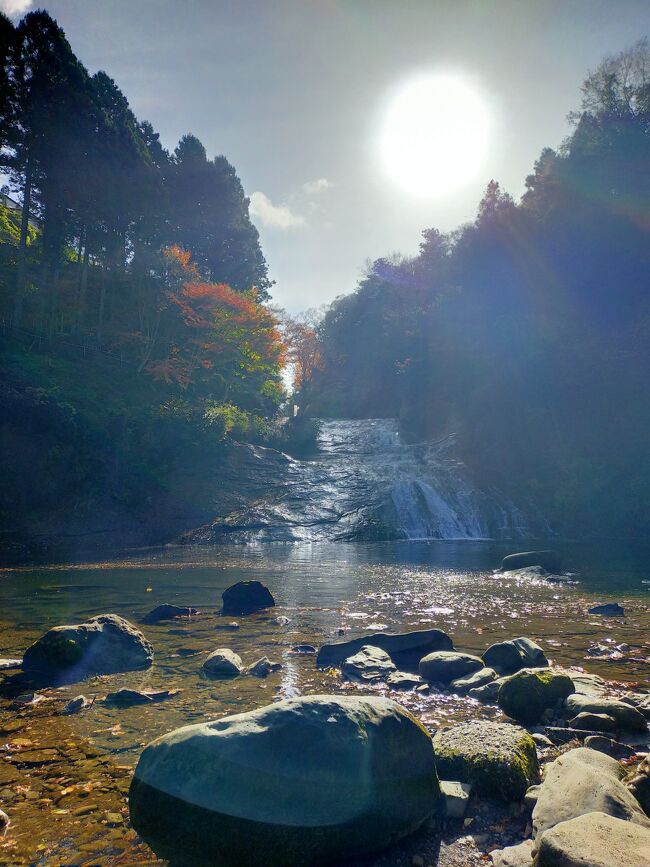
point(443, 666)
point(304, 781)
point(526, 695)
point(498, 759)
point(106, 644)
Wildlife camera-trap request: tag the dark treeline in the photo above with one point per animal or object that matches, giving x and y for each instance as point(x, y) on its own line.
point(135, 337)
point(527, 332)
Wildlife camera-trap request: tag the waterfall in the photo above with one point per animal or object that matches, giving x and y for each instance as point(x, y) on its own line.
point(365, 482)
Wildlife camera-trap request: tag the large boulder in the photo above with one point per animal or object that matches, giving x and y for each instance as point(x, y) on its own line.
point(594, 840)
point(498, 759)
point(443, 666)
point(104, 645)
point(527, 694)
point(548, 560)
point(507, 657)
point(369, 664)
point(584, 781)
point(406, 649)
point(245, 597)
point(304, 781)
point(626, 716)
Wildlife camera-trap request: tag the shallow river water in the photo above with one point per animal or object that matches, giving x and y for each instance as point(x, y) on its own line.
point(64, 779)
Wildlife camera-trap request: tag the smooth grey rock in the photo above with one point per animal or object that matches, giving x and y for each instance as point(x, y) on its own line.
point(403, 680)
point(263, 667)
point(594, 840)
point(626, 716)
point(456, 796)
point(610, 609)
point(473, 681)
point(7, 664)
point(520, 855)
point(406, 649)
point(369, 664)
point(487, 693)
point(507, 657)
point(530, 798)
point(609, 747)
point(594, 722)
point(223, 663)
point(245, 597)
point(541, 740)
point(128, 697)
point(168, 612)
point(498, 759)
point(583, 781)
point(443, 666)
point(303, 648)
point(79, 703)
point(104, 645)
point(310, 780)
point(639, 700)
point(548, 560)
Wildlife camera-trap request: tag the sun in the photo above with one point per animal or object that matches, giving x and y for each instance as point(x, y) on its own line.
point(434, 135)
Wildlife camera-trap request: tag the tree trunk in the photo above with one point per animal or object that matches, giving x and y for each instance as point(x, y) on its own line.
point(19, 299)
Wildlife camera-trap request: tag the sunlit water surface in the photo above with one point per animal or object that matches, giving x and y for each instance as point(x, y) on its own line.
point(63, 779)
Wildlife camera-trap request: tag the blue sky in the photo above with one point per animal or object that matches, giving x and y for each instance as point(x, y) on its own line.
point(293, 93)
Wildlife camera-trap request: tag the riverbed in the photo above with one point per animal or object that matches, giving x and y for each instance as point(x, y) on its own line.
point(64, 779)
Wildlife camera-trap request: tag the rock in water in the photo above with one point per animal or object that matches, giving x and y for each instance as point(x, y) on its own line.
point(548, 560)
point(526, 695)
point(445, 666)
point(610, 609)
point(510, 656)
point(583, 781)
point(406, 649)
point(245, 597)
point(594, 840)
point(626, 716)
point(223, 663)
point(369, 664)
point(263, 667)
point(473, 681)
point(168, 612)
point(104, 645)
point(304, 781)
point(80, 702)
point(498, 759)
point(594, 722)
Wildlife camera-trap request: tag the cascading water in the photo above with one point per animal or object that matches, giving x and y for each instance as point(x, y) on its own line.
point(365, 482)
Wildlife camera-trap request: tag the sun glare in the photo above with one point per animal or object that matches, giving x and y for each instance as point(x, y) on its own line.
point(434, 136)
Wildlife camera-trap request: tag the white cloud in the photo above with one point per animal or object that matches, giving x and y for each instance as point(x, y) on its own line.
point(273, 216)
point(15, 7)
point(316, 186)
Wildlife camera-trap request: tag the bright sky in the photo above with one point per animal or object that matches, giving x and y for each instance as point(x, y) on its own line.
point(298, 94)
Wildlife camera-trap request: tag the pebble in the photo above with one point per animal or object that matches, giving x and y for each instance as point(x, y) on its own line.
point(4, 820)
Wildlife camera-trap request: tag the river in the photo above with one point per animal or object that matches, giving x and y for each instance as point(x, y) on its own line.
point(68, 800)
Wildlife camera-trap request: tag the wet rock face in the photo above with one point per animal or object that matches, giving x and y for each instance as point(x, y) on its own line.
point(507, 657)
point(223, 663)
point(104, 645)
point(406, 649)
point(245, 597)
point(548, 560)
point(445, 666)
point(300, 782)
point(499, 759)
point(369, 664)
point(526, 695)
point(584, 781)
point(594, 840)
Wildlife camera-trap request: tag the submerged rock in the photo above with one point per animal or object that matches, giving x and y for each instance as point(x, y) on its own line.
point(443, 666)
point(223, 663)
point(305, 781)
point(168, 612)
point(498, 759)
point(303, 648)
point(583, 781)
point(79, 703)
point(510, 656)
point(610, 609)
point(548, 560)
point(594, 840)
point(369, 664)
point(127, 697)
point(626, 716)
point(245, 597)
point(526, 695)
point(406, 649)
point(104, 645)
